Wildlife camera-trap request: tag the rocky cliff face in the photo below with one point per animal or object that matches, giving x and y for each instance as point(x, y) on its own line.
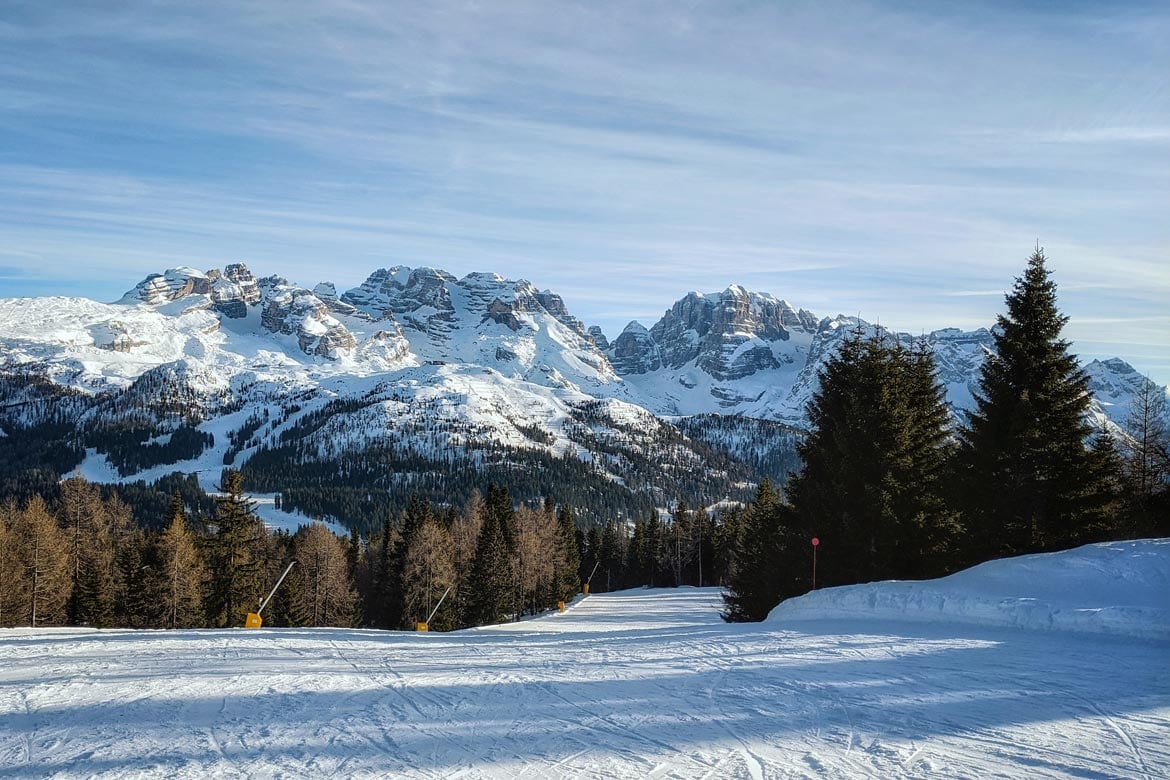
point(398, 314)
point(483, 318)
point(635, 351)
point(555, 305)
point(743, 352)
point(599, 339)
point(284, 308)
point(171, 285)
point(728, 335)
point(418, 297)
point(297, 312)
point(234, 291)
point(327, 292)
point(229, 291)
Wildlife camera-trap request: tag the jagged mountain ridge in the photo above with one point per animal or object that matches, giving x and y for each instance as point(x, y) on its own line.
point(482, 371)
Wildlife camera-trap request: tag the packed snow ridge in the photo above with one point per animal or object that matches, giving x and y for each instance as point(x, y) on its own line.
point(636, 684)
point(1118, 588)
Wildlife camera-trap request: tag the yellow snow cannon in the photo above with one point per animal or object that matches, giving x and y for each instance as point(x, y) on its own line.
point(254, 620)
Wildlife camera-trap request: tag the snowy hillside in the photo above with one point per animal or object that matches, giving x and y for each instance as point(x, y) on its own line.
point(413, 374)
point(646, 683)
point(1119, 588)
point(415, 371)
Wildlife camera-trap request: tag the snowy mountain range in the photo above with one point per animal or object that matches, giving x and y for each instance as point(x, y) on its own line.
point(440, 370)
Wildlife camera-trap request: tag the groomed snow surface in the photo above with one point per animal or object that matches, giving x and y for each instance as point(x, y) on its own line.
point(640, 684)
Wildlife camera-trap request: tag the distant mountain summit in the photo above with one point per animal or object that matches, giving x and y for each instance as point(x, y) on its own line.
point(229, 291)
point(422, 371)
point(731, 352)
point(749, 353)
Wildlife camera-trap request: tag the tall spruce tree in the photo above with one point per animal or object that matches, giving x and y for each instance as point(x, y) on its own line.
point(875, 464)
point(236, 570)
point(131, 607)
point(492, 580)
point(766, 564)
point(725, 543)
point(567, 578)
point(636, 571)
point(610, 574)
point(354, 555)
point(657, 551)
point(416, 514)
point(928, 530)
point(1027, 472)
point(382, 607)
point(1107, 491)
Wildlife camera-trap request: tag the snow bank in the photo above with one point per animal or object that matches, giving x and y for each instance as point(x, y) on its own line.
point(1120, 588)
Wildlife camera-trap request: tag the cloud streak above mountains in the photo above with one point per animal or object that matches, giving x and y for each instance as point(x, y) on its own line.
point(887, 158)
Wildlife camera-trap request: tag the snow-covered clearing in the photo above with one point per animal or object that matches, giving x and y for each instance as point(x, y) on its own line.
point(635, 684)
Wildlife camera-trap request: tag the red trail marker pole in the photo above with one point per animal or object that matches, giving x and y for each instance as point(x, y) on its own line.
point(815, 543)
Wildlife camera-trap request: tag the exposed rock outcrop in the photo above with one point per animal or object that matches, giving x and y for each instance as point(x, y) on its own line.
point(229, 292)
point(555, 305)
point(599, 339)
point(170, 285)
point(417, 296)
point(234, 291)
point(634, 351)
point(728, 335)
point(297, 312)
point(327, 292)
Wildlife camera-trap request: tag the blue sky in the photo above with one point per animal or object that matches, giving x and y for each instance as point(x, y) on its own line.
point(894, 159)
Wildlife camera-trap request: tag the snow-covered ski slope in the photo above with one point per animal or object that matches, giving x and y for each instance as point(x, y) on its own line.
point(1114, 588)
point(637, 684)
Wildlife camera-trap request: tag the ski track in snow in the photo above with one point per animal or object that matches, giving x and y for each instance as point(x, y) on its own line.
point(644, 683)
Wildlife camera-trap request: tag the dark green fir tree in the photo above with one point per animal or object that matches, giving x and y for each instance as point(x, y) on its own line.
point(568, 579)
point(762, 573)
point(417, 513)
point(383, 608)
point(1029, 478)
point(492, 579)
point(610, 572)
point(927, 531)
point(876, 461)
point(236, 570)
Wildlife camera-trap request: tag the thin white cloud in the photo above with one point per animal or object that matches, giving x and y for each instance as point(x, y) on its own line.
point(972, 293)
point(1109, 135)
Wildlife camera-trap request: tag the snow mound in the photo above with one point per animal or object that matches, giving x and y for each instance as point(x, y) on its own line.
point(1120, 588)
